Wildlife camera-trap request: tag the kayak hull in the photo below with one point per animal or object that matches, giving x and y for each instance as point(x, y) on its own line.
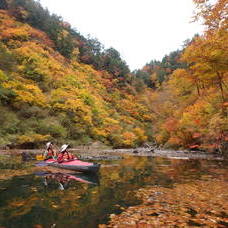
point(87, 169)
point(75, 165)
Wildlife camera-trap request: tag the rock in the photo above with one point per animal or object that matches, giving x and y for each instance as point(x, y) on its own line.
point(25, 156)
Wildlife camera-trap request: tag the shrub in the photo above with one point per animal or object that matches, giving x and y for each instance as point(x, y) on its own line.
point(32, 140)
point(54, 129)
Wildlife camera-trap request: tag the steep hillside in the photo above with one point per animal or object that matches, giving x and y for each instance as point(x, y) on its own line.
point(154, 73)
point(57, 85)
point(45, 96)
point(190, 106)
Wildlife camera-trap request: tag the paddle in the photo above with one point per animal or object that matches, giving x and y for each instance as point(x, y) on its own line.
point(44, 163)
point(39, 157)
point(41, 164)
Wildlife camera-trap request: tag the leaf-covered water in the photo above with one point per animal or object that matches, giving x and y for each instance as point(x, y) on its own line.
point(32, 197)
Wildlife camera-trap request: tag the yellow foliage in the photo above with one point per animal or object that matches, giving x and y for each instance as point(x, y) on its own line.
point(129, 138)
point(162, 137)
point(20, 33)
point(32, 138)
point(127, 119)
point(81, 95)
point(27, 93)
point(3, 77)
point(140, 134)
point(110, 121)
point(174, 141)
point(197, 114)
point(99, 132)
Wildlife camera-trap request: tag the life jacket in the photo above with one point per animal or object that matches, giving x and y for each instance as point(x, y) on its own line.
point(64, 156)
point(50, 153)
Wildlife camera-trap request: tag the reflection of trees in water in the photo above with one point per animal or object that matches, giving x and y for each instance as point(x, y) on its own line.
point(79, 203)
point(184, 170)
point(24, 200)
point(11, 162)
point(11, 166)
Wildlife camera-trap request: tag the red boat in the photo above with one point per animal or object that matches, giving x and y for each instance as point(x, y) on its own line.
point(76, 165)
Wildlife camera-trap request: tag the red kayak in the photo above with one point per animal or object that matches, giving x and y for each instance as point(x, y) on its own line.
point(76, 165)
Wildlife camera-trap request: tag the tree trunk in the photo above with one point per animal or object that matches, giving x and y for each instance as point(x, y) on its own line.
point(220, 86)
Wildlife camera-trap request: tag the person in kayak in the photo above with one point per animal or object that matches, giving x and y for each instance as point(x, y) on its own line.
point(64, 155)
point(49, 152)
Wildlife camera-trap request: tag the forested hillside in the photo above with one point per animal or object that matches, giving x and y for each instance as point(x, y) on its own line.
point(190, 104)
point(49, 93)
point(55, 84)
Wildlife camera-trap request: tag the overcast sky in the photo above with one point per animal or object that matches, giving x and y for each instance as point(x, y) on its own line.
point(141, 30)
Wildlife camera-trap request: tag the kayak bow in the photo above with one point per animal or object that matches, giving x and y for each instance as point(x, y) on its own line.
point(76, 165)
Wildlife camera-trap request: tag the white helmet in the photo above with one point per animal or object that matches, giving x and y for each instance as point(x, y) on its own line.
point(48, 145)
point(63, 147)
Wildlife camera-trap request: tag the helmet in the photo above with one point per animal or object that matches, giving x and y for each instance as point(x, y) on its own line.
point(63, 147)
point(48, 145)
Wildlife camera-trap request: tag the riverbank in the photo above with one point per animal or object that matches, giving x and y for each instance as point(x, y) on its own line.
point(151, 152)
point(115, 154)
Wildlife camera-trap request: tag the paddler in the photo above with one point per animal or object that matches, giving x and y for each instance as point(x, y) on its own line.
point(64, 155)
point(49, 152)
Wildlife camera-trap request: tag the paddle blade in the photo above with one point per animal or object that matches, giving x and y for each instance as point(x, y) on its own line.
point(41, 164)
point(39, 157)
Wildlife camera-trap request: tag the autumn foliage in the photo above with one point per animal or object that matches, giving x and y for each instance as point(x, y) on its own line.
point(56, 84)
point(46, 96)
point(196, 96)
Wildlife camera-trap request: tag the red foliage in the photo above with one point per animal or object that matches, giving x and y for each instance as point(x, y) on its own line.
point(196, 135)
point(194, 146)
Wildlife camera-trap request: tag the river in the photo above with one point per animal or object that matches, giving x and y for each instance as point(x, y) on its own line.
point(39, 197)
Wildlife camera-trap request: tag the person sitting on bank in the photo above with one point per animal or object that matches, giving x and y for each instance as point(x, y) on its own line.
point(64, 155)
point(49, 152)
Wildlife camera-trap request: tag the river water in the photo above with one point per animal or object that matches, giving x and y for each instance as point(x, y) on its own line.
point(43, 197)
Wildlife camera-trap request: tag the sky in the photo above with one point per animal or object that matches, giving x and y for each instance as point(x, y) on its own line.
point(141, 30)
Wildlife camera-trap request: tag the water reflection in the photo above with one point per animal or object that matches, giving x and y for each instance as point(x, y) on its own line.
point(29, 200)
point(64, 179)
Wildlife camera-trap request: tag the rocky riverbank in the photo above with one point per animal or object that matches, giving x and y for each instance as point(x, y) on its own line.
point(116, 154)
point(113, 154)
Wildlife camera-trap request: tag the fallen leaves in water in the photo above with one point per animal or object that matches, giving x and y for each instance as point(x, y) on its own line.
point(202, 203)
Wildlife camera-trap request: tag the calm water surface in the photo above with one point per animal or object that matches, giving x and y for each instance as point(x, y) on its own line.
point(31, 197)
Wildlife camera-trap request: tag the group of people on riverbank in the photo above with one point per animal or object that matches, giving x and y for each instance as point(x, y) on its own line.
point(62, 155)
